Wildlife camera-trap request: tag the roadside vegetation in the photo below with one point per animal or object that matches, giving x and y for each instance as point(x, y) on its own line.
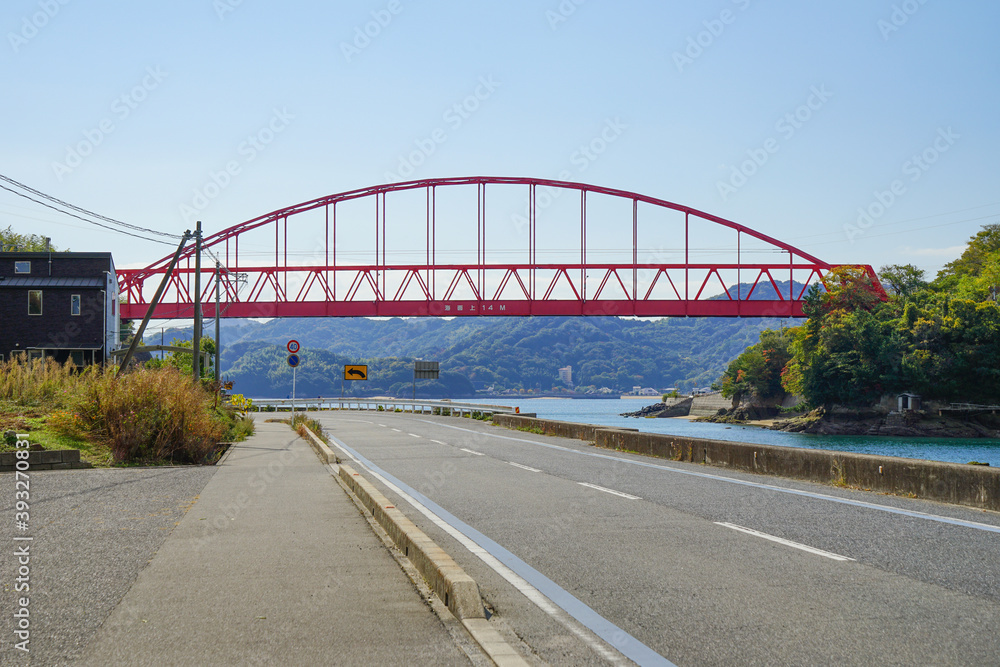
point(147, 416)
point(939, 339)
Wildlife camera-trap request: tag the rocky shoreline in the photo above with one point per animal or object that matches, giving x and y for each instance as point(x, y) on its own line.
point(905, 424)
point(841, 421)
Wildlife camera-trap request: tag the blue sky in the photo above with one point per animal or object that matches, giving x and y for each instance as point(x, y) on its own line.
point(787, 117)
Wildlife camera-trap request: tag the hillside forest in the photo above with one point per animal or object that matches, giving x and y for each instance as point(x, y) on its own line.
point(938, 338)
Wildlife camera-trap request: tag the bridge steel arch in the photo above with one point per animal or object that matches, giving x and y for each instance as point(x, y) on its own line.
point(328, 284)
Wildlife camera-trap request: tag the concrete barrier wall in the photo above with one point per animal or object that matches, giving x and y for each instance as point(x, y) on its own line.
point(975, 486)
point(573, 430)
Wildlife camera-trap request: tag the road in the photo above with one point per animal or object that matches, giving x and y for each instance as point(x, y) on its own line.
point(683, 563)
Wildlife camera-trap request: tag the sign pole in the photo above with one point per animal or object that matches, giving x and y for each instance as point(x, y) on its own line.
point(293, 390)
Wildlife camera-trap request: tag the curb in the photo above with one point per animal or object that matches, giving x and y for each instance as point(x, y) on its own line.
point(458, 591)
point(324, 453)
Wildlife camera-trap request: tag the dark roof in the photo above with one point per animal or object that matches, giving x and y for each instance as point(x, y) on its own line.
point(59, 255)
point(56, 254)
point(10, 283)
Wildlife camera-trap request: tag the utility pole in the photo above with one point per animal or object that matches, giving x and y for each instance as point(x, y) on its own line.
point(218, 345)
point(152, 306)
point(196, 341)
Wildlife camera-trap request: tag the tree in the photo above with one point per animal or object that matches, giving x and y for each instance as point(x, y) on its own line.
point(757, 373)
point(12, 241)
point(902, 279)
point(976, 255)
point(184, 361)
point(851, 288)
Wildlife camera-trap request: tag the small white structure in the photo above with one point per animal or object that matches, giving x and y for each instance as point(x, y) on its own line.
point(907, 401)
point(566, 375)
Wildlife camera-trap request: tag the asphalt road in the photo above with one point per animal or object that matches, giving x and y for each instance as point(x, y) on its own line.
point(660, 556)
point(92, 533)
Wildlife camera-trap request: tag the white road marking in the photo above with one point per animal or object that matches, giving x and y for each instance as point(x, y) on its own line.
point(787, 543)
point(520, 583)
point(383, 425)
point(397, 430)
point(522, 467)
point(413, 435)
point(441, 443)
point(611, 491)
point(463, 449)
point(741, 482)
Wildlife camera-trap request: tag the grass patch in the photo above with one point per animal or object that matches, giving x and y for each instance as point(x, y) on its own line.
point(148, 416)
point(300, 422)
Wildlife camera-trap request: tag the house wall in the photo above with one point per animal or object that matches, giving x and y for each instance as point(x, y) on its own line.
point(57, 328)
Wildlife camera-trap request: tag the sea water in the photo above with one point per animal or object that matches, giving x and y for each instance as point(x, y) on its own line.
point(607, 412)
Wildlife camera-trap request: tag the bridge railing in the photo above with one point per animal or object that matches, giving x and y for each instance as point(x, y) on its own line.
point(456, 408)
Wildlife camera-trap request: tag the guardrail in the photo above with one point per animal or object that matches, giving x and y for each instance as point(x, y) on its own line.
point(384, 404)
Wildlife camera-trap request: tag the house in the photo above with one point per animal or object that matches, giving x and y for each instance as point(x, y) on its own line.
point(58, 304)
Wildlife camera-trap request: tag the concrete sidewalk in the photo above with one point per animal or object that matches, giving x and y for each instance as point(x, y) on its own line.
point(274, 564)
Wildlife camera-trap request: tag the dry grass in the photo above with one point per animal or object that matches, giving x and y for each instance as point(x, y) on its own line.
point(147, 415)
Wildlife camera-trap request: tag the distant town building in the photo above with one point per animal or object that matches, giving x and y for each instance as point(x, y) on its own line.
point(62, 305)
point(566, 375)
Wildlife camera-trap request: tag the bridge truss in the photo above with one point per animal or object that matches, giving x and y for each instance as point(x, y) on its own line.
point(541, 247)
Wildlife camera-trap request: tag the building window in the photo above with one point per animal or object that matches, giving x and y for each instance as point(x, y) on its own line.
point(22, 267)
point(35, 302)
point(77, 357)
point(74, 307)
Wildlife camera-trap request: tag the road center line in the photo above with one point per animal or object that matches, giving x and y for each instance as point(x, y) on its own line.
point(414, 435)
point(463, 449)
point(611, 491)
point(542, 591)
point(730, 480)
point(523, 467)
point(441, 443)
point(787, 543)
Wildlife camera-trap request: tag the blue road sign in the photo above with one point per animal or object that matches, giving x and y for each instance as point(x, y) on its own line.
point(293, 360)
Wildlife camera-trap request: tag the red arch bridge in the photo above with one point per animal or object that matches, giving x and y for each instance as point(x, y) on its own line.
point(485, 246)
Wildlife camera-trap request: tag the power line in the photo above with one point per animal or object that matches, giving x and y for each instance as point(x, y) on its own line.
point(83, 211)
point(73, 215)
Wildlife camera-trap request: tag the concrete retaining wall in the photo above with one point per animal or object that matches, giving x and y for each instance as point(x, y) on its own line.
point(706, 405)
point(975, 486)
point(67, 459)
